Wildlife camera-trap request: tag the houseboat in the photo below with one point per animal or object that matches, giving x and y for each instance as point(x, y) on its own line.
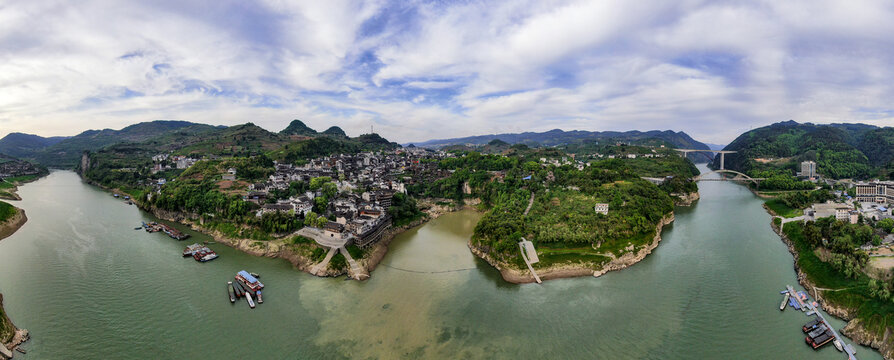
point(253, 284)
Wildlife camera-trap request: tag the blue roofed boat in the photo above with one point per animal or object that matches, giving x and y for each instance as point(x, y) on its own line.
point(252, 282)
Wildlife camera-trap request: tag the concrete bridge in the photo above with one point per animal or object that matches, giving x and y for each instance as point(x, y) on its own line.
point(738, 176)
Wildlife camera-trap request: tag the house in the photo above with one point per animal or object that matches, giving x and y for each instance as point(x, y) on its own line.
point(270, 208)
point(601, 209)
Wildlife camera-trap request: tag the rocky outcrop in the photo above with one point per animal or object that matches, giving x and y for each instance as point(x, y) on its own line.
point(855, 329)
point(10, 336)
point(686, 199)
point(559, 271)
point(11, 225)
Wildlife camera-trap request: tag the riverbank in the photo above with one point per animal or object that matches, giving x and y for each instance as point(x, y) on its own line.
point(569, 270)
point(13, 224)
point(300, 255)
point(11, 193)
point(10, 335)
point(855, 329)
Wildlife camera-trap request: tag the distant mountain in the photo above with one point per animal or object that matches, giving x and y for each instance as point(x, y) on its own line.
point(66, 152)
point(559, 137)
point(296, 127)
point(715, 146)
point(840, 150)
point(24, 145)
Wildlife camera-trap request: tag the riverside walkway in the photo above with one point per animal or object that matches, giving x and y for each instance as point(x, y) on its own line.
point(334, 244)
point(528, 247)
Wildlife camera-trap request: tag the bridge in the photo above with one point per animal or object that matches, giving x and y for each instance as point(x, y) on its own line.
point(738, 176)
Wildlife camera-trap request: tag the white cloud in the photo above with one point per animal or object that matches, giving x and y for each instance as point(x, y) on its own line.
point(419, 70)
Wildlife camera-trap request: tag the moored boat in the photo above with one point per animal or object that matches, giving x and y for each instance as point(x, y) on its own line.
point(255, 275)
point(260, 298)
point(231, 292)
point(784, 301)
point(251, 303)
point(252, 284)
point(837, 345)
point(238, 289)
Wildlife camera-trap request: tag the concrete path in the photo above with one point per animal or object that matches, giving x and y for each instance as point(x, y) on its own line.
point(528, 262)
point(356, 270)
point(316, 269)
point(530, 203)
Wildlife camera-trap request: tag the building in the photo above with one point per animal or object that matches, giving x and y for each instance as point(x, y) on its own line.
point(808, 169)
point(839, 211)
point(877, 191)
point(601, 209)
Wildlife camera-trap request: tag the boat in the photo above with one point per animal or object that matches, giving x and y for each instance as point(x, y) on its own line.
point(812, 325)
point(255, 275)
point(838, 345)
point(116, 195)
point(138, 228)
point(811, 313)
point(231, 292)
point(260, 299)
point(192, 249)
point(238, 289)
point(251, 283)
point(817, 332)
point(21, 350)
point(251, 303)
point(782, 305)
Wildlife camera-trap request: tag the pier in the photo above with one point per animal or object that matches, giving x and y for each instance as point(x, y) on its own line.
point(847, 348)
point(531, 258)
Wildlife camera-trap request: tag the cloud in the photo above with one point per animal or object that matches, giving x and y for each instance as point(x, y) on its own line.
point(418, 70)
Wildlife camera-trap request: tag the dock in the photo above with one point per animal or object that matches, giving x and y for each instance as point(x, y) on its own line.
point(848, 348)
point(527, 247)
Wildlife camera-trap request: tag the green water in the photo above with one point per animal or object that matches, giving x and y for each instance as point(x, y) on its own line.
point(88, 286)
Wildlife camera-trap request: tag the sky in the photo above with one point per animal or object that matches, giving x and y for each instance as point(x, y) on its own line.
point(419, 70)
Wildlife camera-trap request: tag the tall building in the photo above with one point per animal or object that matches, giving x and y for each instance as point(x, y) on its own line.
point(808, 169)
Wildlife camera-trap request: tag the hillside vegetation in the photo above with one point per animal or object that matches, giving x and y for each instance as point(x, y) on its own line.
point(839, 150)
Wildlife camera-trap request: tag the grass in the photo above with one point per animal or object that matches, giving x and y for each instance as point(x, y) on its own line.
point(876, 314)
point(6, 211)
point(782, 209)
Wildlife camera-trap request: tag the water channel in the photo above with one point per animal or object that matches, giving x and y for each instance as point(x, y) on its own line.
point(88, 286)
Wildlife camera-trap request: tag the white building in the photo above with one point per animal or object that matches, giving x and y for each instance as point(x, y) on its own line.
point(601, 209)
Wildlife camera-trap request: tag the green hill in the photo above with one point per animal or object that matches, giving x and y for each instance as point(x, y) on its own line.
point(66, 153)
point(335, 131)
point(296, 127)
point(840, 150)
point(25, 145)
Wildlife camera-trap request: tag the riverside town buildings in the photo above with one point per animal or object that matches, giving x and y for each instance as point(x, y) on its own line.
point(366, 184)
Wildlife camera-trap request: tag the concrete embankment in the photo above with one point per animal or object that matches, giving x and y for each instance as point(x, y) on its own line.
point(560, 271)
point(855, 329)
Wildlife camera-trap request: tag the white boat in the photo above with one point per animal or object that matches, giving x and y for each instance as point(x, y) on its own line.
point(837, 345)
point(784, 301)
point(251, 302)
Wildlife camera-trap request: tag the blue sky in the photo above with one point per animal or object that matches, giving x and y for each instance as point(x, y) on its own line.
point(417, 70)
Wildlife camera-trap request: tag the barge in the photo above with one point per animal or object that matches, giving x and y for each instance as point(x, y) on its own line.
point(231, 292)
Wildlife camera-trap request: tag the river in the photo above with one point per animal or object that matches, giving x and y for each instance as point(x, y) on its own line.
point(88, 286)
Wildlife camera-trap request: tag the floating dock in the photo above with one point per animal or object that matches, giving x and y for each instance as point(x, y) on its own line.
point(799, 300)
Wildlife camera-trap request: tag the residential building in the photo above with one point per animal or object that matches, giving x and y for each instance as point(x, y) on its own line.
point(601, 209)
